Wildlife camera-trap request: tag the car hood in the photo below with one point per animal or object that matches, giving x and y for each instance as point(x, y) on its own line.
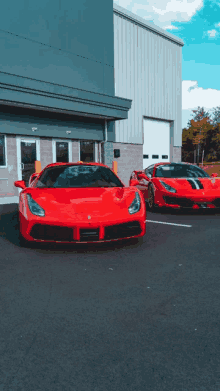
point(72, 202)
point(193, 184)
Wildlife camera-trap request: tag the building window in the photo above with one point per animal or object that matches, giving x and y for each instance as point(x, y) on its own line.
point(2, 151)
point(87, 151)
point(62, 152)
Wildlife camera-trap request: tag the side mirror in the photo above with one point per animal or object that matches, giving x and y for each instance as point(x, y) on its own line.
point(134, 182)
point(32, 177)
point(214, 175)
point(20, 184)
point(141, 176)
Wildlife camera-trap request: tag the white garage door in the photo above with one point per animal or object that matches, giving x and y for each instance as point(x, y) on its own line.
point(156, 146)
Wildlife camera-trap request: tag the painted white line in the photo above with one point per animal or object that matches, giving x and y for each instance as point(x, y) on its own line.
point(162, 222)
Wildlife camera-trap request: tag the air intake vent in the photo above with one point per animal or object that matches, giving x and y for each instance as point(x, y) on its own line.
point(124, 230)
point(52, 233)
point(89, 235)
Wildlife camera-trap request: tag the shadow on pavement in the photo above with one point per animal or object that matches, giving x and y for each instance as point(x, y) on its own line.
point(9, 230)
point(9, 222)
point(186, 212)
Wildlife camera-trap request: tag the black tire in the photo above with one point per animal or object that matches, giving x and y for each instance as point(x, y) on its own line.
point(151, 204)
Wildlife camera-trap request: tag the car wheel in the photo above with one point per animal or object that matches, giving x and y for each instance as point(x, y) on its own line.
point(151, 203)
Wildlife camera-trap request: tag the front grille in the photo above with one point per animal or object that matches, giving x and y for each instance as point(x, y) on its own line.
point(89, 234)
point(122, 230)
point(216, 202)
point(183, 202)
point(52, 232)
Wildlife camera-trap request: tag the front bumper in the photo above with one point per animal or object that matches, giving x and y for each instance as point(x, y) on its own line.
point(190, 202)
point(40, 229)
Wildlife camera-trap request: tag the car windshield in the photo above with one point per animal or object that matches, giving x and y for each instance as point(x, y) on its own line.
point(78, 176)
point(180, 171)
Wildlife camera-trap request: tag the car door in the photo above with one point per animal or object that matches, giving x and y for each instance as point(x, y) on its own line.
point(143, 183)
point(135, 175)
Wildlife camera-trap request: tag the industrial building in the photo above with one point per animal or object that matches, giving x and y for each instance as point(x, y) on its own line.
point(85, 81)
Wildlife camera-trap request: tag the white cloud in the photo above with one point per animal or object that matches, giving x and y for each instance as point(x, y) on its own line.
point(123, 3)
point(212, 33)
point(163, 12)
point(171, 27)
point(194, 96)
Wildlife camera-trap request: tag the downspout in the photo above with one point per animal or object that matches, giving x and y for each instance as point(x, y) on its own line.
point(105, 139)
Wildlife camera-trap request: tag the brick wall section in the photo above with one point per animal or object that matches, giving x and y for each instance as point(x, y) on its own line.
point(108, 153)
point(11, 171)
point(131, 158)
point(75, 151)
point(46, 153)
point(177, 154)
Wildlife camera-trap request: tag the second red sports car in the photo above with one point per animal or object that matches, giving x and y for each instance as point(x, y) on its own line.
point(79, 202)
point(177, 185)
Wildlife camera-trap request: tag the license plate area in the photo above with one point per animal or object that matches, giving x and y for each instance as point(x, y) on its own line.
point(202, 205)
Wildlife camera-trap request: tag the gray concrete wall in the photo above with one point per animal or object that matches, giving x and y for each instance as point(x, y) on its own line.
point(131, 158)
point(46, 155)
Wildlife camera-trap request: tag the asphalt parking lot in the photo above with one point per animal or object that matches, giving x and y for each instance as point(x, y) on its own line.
point(117, 317)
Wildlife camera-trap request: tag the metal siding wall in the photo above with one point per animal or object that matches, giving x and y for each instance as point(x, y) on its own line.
point(148, 71)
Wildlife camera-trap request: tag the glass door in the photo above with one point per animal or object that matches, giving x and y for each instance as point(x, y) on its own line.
point(28, 158)
point(28, 151)
point(87, 151)
point(62, 153)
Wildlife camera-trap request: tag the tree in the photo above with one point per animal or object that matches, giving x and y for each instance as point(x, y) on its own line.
point(200, 130)
point(199, 114)
point(216, 116)
point(203, 132)
point(187, 145)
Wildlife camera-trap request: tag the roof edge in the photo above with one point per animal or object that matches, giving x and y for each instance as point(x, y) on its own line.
point(147, 25)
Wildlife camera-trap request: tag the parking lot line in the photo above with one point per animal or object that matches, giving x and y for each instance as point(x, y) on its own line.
point(162, 222)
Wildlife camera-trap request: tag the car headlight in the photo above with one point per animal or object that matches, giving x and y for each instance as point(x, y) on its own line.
point(34, 207)
point(168, 187)
point(135, 205)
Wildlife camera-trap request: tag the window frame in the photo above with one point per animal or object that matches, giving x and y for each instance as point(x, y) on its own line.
point(54, 151)
point(5, 151)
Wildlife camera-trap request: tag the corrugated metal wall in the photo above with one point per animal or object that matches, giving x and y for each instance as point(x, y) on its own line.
point(148, 71)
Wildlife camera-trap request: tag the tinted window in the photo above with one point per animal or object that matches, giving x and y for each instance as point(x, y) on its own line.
point(78, 176)
point(180, 171)
point(2, 150)
point(62, 152)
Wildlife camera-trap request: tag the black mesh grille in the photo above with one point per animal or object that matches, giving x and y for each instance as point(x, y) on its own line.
point(89, 234)
point(216, 202)
point(183, 202)
point(52, 232)
point(122, 230)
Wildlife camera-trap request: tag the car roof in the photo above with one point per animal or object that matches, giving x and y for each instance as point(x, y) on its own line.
point(173, 163)
point(77, 164)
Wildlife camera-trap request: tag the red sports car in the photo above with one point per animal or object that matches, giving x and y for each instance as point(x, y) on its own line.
point(177, 185)
point(79, 202)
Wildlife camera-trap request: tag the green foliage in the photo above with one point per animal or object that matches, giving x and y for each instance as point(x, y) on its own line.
point(202, 134)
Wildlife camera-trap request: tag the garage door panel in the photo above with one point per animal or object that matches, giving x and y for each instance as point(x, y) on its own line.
point(156, 146)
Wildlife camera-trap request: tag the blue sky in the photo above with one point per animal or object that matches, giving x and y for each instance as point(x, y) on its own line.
point(197, 23)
